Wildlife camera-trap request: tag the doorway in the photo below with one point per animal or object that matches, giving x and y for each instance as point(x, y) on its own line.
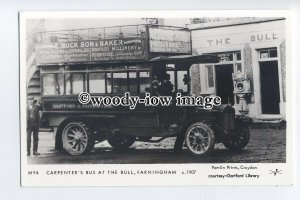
point(269, 83)
point(224, 83)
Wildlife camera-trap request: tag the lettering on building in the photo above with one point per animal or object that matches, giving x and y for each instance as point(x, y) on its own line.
point(263, 37)
point(219, 42)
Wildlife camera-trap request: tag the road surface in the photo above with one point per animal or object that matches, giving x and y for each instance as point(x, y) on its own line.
point(267, 145)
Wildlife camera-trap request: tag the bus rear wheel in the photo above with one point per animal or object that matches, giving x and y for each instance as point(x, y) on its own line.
point(121, 141)
point(77, 138)
point(239, 139)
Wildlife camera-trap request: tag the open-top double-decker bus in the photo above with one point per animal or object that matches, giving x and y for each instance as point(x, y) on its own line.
point(137, 59)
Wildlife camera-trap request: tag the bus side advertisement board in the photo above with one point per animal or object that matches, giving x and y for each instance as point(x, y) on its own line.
point(91, 51)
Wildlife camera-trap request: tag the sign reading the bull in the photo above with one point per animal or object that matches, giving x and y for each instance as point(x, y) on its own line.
point(91, 51)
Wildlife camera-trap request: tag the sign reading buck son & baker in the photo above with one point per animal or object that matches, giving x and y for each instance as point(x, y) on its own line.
point(91, 51)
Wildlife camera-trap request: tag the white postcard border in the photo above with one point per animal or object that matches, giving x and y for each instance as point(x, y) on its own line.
point(265, 171)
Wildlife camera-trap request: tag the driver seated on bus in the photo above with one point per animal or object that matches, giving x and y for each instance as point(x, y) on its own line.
point(166, 87)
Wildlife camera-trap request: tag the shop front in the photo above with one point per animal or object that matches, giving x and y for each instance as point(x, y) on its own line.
point(252, 51)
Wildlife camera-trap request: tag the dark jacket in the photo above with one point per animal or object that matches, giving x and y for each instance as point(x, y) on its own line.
point(165, 88)
point(33, 115)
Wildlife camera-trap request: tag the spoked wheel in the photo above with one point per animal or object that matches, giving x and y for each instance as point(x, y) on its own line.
point(239, 139)
point(77, 139)
point(199, 139)
point(121, 141)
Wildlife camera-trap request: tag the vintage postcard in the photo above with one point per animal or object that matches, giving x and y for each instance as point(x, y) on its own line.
point(155, 98)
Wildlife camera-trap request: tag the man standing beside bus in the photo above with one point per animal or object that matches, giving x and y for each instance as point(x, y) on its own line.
point(33, 125)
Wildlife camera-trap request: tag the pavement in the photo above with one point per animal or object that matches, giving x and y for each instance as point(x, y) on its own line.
point(267, 145)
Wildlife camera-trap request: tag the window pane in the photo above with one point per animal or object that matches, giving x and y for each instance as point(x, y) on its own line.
point(77, 83)
point(53, 84)
point(225, 57)
point(109, 82)
point(238, 56)
point(273, 53)
point(210, 76)
point(239, 67)
point(264, 54)
point(68, 84)
point(132, 83)
point(59, 83)
point(48, 84)
point(144, 81)
point(119, 83)
point(97, 82)
point(180, 77)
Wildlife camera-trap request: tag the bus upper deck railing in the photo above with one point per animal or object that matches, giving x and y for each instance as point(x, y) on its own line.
point(96, 33)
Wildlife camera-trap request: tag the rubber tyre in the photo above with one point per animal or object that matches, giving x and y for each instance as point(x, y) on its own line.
point(199, 139)
point(121, 141)
point(77, 139)
point(239, 139)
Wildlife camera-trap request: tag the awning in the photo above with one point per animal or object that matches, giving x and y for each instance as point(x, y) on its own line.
point(189, 59)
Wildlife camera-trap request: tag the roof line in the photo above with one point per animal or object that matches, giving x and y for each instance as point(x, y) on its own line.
point(237, 24)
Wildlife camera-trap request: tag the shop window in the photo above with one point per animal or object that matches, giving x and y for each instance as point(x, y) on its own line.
point(119, 83)
point(144, 81)
point(97, 82)
point(180, 81)
point(234, 58)
point(132, 83)
point(210, 76)
point(53, 84)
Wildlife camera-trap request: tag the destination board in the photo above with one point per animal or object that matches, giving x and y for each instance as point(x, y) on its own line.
point(170, 41)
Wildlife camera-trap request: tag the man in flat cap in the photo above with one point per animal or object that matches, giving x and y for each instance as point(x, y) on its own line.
point(33, 125)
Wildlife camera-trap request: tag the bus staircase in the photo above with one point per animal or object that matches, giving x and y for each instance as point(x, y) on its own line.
point(33, 86)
